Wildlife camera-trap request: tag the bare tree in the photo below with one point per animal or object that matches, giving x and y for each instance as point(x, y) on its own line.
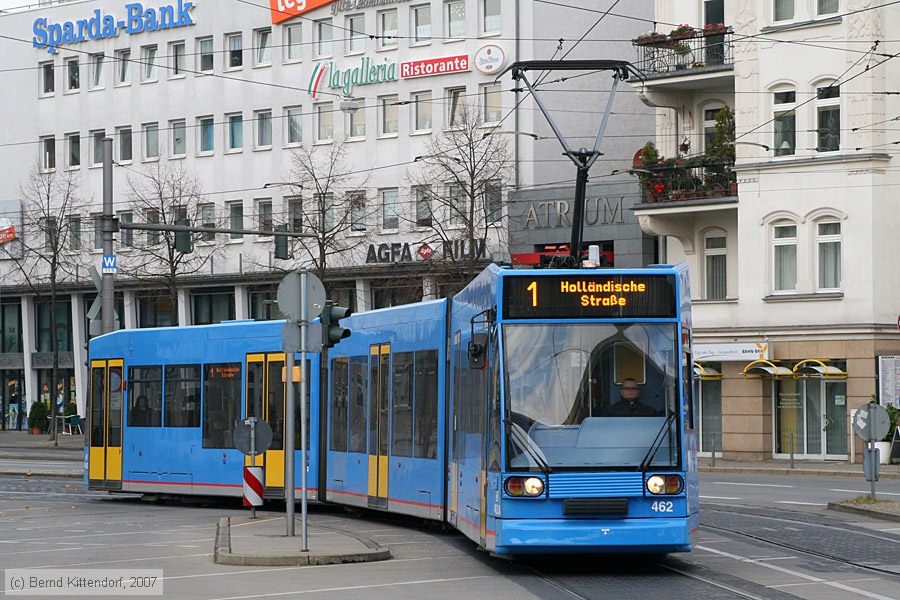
point(47, 252)
point(458, 192)
point(330, 203)
point(162, 195)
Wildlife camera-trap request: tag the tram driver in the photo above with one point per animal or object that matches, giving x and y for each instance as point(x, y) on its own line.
point(629, 404)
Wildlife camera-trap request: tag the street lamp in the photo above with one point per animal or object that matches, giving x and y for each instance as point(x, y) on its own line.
point(525, 133)
point(443, 156)
point(272, 184)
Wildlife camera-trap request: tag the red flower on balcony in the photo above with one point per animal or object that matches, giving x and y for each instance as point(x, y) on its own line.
point(682, 32)
point(715, 29)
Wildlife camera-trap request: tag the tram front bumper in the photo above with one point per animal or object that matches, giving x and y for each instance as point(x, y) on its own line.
point(551, 536)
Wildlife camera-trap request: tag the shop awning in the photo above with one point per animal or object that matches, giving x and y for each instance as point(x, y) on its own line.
point(705, 372)
point(817, 367)
point(766, 368)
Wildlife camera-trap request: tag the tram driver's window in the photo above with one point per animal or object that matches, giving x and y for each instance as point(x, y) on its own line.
point(182, 386)
point(145, 396)
point(221, 403)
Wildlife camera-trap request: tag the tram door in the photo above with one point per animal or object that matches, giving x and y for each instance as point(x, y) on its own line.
point(379, 425)
point(106, 401)
point(265, 401)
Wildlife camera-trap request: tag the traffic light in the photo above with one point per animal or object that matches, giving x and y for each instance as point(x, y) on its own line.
point(281, 244)
point(183, 241)
point(332, 332)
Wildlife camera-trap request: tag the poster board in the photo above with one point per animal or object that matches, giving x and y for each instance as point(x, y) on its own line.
point(889, 380)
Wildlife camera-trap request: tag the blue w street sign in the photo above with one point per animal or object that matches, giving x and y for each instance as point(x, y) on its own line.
point(109, 264)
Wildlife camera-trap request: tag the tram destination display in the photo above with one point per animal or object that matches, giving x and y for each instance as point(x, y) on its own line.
point(589, 296)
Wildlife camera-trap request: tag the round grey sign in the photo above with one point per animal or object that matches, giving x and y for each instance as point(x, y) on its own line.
point(289, 296)
point(871, 422)
point(241, 437)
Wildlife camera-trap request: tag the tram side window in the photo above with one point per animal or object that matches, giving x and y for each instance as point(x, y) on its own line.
point(402, 405)
point(338, 409)
point(145, 397)
point(182, 405)
point(97, 382)
point(357, 403)
point(221, 403)
point(426, 417)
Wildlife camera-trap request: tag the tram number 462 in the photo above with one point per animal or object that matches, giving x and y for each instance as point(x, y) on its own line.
point(662, 506)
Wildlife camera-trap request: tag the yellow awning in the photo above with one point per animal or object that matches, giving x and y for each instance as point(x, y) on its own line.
point(706, 372)
point(766, 368)
point(815, 367)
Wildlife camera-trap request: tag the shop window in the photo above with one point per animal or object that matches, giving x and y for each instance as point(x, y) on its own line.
point(221, 403)
point(182, 387)
point(157, 311)
point(145, 397)
point(10, 327)
point(213, 306)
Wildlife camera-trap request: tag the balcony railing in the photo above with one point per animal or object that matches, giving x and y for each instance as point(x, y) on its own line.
point(666, 54)
point(697, 178)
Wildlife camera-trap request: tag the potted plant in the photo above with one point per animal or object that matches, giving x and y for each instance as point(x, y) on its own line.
point(682, 32)
point(37, 418)
point(698, 65)
point(649, 39)
point(715, 29)
point(884, 446)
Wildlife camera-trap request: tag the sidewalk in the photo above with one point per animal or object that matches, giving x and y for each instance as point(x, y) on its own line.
point(29, 455)
point(243, 541)
point(18, 440)
point(801, 467)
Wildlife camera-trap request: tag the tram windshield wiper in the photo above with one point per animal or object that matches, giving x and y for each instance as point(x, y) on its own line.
point(524, 441)
point(657, 443)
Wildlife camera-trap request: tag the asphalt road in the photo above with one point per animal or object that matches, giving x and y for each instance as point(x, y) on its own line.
point(750, 546)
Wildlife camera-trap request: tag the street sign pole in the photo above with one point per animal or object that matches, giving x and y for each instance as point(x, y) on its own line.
point(873, 453)
point(107, 294)
point(304, 325)
point(252, 422)
point(290, 419)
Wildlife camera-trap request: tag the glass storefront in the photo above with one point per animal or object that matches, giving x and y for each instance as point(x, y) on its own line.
point(811, 417)
point(708, 391)
point(65, 388)
point(12, 400)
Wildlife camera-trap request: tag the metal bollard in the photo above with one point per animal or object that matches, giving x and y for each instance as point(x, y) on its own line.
point(792, 449)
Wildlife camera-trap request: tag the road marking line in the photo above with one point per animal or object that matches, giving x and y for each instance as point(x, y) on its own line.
point(801, 504)
point(864, 492)
point(777, 558)
point(359, 587)
point(257, 522)
point(717, 498)
point(55, 494)
point(405, 543)
point(753, 484)
point(780, 585)
point(121, 560)
point(798, 574)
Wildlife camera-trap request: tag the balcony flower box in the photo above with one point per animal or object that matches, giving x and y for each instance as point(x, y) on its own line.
point(650, 39)
point(682, 32)
point(716, 29)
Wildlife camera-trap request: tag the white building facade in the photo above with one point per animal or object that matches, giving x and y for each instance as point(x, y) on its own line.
point(212, 102)
point(793, 244)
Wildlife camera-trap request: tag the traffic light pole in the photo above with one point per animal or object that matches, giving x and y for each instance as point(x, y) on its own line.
point(304, 326)
point(107, 280)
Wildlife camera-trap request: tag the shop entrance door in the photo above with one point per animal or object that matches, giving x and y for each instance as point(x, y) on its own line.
point(812, 415)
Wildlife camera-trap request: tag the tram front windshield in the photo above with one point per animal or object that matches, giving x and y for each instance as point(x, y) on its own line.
point(584, 396)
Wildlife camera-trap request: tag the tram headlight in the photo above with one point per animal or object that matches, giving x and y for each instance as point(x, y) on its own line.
point(533, 486)
point(656, 484)
point(524, 486)
point(665, 484)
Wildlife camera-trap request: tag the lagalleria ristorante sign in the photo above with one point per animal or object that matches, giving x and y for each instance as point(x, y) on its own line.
point(369, 71)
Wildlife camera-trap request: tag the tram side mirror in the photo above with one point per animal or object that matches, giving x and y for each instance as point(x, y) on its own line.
point(477, 350)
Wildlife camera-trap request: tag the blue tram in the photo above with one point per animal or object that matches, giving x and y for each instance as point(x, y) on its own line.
point(538, 411)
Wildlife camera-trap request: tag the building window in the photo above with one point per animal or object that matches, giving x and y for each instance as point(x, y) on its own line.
point(490, 16)
point(324, 206)
point(828, 241)
point(323, 35)
point(785, 123)
point(48, 153)
point(235, 132)
point(263, 52)
point(263, 306)
point(388, 123)
point(491, 103)
point(357, 212)
point(293, 43)
point(421, 103)
point(73, 156)
point(827, 7)
point(75, 233)
point(294, 126)
point(457, 205)
point(213, 306)
point(44, 324)
point(207, 135)
point(206, 58)
point(295, 213)
point(177, 58)
point(424, 211)
point(389, 216)
point(493, 202)
point(73, 75)
point(455, 106)
point(208, 219)
point(715, 253)
point(11, 330)
point(151, 141)
point(709, 126)
point(387, 29)
point(179, 138)
point(324, 122)
point(828, 118)
point(126, 236)
point(264, 214)
point(455, 11)
point(97, 71)
point(151, 217)
point(123, 135)
point(356, 42)
point(48, 78)
point(51, 234)
point(357, 124)
point(149, 57)
point(97, 142)
point(783, 10)
point(236, 218)
point(421, 23)
point(235, 44)
point(182, 396)
point(263, 122)
point(123, 67)
point(157, 311)
point(785, 254)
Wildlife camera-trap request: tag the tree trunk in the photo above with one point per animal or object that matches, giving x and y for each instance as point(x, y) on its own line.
point(54, 371)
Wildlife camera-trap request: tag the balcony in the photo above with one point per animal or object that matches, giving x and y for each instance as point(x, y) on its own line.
point(687, 58)
point(695, 178)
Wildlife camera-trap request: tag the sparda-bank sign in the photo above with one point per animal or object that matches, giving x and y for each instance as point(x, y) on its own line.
point(101, 26)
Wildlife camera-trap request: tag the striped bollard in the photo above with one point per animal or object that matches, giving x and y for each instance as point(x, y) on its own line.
point(253, 488)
